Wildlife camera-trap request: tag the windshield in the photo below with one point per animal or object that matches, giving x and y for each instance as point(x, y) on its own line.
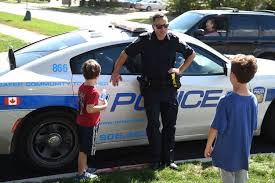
point(46, 47)
point(185, 21)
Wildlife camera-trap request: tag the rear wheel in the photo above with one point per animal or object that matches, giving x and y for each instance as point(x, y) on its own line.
point(148, 8)
point(268, 126)
point(50, 140)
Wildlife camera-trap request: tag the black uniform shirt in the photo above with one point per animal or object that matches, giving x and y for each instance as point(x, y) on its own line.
point(158, 56)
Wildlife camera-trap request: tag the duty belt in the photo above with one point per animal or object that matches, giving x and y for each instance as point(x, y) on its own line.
point(158, 83)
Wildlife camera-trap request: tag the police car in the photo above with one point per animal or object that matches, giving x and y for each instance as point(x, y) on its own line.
point(39, 84)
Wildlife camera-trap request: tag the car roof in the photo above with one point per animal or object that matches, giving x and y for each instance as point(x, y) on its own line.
point(116, 31)
point(234, 11)
point(114, 34)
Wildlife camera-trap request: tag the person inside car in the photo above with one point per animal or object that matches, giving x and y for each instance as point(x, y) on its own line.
point(211, 28)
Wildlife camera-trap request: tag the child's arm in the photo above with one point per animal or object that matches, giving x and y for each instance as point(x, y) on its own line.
point(212, 134)
point(91, 108)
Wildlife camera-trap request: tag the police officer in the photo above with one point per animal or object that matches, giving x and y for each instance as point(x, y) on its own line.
point(158, 52)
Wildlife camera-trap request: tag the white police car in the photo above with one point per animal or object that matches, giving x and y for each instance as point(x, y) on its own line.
point(38, 95)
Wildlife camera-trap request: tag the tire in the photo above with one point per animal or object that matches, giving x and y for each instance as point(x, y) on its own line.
point(148, 8)
point(268, 126)
point(269, 56)
point(50, 141)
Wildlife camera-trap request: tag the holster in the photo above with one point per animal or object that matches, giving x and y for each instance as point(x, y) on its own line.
point(144, 83)
point(174, 80)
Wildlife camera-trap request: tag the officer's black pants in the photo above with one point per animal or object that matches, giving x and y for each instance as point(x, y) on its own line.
point(161, 103)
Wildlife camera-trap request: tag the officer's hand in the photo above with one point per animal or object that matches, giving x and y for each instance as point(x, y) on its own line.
point(115, 78)
point(174, 70)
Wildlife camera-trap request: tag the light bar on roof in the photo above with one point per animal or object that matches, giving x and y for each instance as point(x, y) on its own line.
point(129, 26)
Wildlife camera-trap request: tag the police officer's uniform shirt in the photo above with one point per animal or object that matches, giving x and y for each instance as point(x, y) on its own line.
point(158, 56)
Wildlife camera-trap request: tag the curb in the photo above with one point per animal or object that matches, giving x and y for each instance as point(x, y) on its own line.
point(104, 170)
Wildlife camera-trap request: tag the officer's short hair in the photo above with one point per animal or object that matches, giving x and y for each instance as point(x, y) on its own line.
point(244, 67)
point(91, 69)
point(158, 15)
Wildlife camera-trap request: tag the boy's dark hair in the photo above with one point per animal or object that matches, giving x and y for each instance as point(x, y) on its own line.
point(244, 67)
point(91, 69)
point(158, 15)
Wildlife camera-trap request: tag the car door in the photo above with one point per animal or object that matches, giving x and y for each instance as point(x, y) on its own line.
point(203, 83)
point(266, 47)
point(153, 4)
point(124, 119)
point(243, 34)
point(157, 5)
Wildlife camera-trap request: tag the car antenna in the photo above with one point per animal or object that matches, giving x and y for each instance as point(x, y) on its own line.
point(11, 58)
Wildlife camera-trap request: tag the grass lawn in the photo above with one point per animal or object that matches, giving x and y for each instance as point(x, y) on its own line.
point(262, 170)
point(6, 40)
point(24, 1)
point(93, 10)
point(35, 25)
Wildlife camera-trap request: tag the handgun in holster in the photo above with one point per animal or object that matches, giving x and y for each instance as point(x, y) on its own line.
point(144, 83)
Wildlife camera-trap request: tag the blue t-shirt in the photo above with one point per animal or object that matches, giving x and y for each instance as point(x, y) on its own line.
point(235, 120)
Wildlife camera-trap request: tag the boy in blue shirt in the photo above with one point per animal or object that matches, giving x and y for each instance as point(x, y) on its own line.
point(234, 123)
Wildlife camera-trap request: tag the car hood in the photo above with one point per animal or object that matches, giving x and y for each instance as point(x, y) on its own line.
point(4, 63)
point(265, 67)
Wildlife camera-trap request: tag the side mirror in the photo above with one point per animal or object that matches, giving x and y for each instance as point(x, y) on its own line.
point(198, 33)
point(11, 58)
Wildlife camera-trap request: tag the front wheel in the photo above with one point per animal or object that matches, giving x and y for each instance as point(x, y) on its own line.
point(50, 140)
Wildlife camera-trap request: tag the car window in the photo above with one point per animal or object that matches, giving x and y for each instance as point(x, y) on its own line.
point(267, 26)
point(185, 21)
point(133, 65)
point(106, 57)
point(219, 24)
point(46, 47)
point(244, 26)
point(204, 63)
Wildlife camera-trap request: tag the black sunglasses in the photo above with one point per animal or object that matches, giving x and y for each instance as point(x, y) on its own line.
point(161, 26)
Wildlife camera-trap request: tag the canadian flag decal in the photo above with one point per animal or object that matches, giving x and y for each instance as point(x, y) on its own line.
point(12, 101)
